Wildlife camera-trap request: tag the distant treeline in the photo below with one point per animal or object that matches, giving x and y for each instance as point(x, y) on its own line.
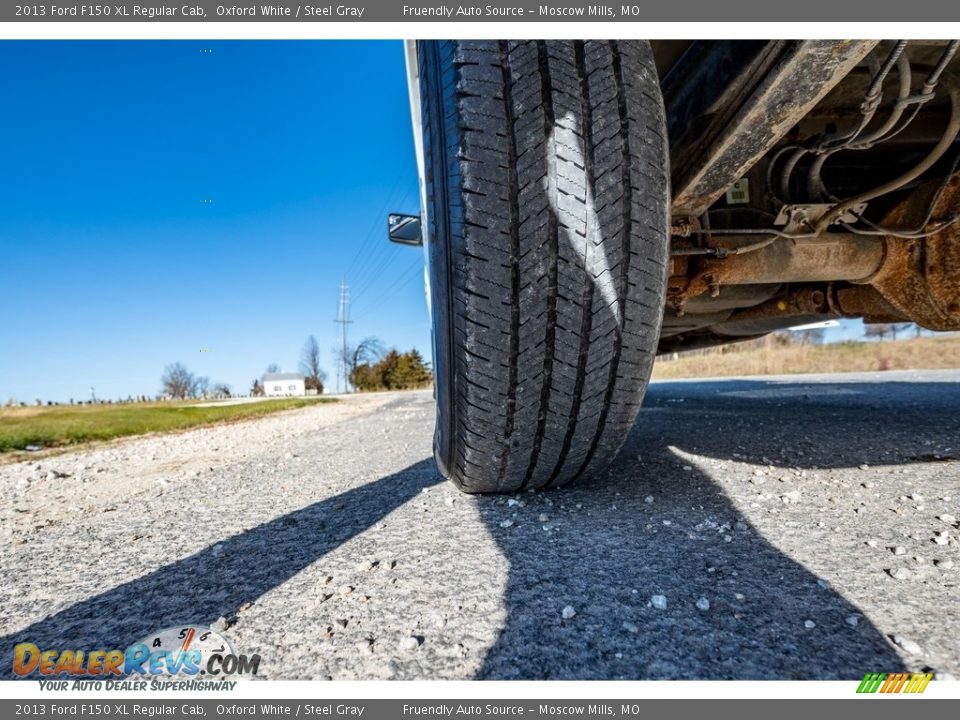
point(393, 371)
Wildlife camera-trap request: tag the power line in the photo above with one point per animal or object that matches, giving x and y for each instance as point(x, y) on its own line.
point(396, 286)
point(378, 218)
point(376, 270)
point(361, 248)
point(369, 274)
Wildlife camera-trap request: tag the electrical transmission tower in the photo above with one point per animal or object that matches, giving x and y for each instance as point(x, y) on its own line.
point(342, 314)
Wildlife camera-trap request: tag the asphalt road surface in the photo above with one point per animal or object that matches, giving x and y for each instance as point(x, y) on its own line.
point(788, 528)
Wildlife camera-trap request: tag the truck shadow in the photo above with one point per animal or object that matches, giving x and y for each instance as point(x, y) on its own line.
point(220, 579)
point(612, 551)
point(609, 542)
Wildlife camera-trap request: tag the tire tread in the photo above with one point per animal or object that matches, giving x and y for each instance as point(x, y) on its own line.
point(554, 170)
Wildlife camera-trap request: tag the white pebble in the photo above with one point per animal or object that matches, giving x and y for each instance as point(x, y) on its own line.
point(630, 627)
point(791, 497)
point(809, 624)
point(506, 523)
point(409, 643)
point(703, 604)
point(568, 612)
point(648, 499)
point(659, 602)
point(853, 620)
point(908, 645)
point(901, 574)
point(364, 647)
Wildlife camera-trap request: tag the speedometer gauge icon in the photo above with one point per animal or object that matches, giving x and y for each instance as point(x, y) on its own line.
point(183, 651)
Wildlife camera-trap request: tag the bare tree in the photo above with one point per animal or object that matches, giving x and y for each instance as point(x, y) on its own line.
point(201, 386)
point(220, 389)
point(367, 352)
point(177, 381)
point(310, 365)
point(815, 336)
point(896, 328)
point(880, 331)
point(273, 368)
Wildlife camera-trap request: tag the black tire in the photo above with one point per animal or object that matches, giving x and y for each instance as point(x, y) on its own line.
point(547, 227)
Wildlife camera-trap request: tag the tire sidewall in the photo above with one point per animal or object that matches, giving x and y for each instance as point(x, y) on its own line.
point(438, 240)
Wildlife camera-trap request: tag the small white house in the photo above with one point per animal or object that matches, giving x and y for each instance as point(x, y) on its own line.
point(281, 384)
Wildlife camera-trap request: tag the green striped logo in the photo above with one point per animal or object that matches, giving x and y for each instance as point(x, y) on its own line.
point(894, 682)
point(871, 682)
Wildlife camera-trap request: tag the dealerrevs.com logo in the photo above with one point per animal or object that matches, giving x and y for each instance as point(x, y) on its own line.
point(179, 652)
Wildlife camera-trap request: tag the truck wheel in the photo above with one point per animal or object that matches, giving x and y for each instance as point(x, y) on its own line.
point(546, 221)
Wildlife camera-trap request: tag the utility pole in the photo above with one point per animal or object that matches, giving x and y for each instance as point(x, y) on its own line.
point(342, 314)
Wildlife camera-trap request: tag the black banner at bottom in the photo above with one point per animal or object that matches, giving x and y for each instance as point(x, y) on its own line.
point(874, 707)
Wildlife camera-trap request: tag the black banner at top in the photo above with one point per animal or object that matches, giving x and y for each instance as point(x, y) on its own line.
point(566, 11)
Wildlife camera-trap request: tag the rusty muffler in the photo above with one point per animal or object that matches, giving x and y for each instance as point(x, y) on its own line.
point(920, 276)
point(911, 273)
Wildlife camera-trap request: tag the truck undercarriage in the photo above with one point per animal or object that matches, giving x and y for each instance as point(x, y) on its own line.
point(587, 204)
point(810, 180)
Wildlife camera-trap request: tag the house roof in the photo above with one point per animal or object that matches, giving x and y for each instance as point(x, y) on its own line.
point(270, 377)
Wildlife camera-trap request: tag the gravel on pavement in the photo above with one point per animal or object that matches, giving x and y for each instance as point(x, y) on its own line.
point(797, 527)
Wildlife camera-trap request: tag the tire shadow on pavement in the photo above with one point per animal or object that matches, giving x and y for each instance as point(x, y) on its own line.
point(658, 526)
point(220, 579)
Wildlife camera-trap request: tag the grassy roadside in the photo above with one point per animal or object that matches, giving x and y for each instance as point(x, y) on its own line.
point(926, 353)
point(67, 424)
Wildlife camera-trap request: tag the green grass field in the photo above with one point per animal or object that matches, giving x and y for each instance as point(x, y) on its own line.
point(67, 424)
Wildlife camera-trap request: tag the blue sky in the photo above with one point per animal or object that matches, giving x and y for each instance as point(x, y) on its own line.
point(112, 264)
point(200, 202)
